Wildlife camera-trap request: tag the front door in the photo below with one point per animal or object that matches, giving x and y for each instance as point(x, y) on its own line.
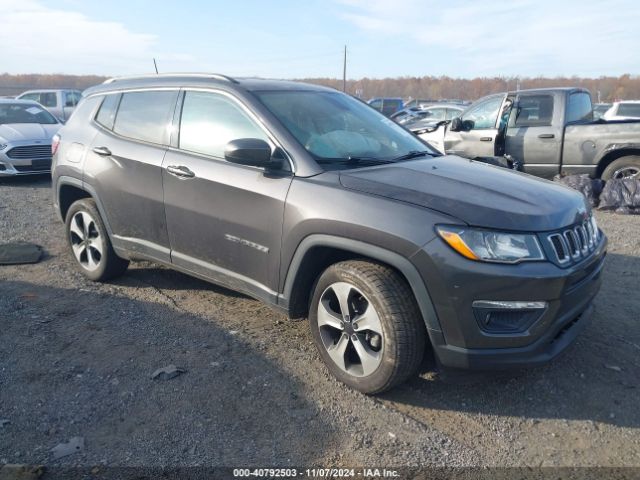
point(534, 134)
point(479, 129)
point(224, 220)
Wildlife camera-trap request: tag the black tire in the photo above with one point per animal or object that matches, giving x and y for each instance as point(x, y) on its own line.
point(105, 264)
point(403, 331)
point(614, 168)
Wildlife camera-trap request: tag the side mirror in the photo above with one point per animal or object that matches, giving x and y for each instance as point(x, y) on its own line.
point(455, 125)
point(251, 151)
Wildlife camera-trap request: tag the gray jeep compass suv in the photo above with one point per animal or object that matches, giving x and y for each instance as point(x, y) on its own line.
point(312, 201)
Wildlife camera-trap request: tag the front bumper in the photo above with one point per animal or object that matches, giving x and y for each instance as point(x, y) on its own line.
point(16, 159)
point(455, 283)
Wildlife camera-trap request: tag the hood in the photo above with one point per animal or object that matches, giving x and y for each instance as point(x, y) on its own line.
point(12, 132)
point(478, 194)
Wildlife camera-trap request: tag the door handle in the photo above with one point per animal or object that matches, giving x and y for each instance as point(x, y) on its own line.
point(180, 171)
point(546, 135)
point(486, 139)
point(102, 151)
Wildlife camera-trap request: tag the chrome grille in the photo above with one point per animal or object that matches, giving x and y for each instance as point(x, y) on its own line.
point(30, 151)
point(575, 243)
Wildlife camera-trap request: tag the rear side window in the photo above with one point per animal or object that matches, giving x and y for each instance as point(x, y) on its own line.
point(629, 110)
point(145, 115)
point(107, 113)
point(49, 99)
point(210, 120)
point(579, 108)
point(71, 99)
point(533, 111)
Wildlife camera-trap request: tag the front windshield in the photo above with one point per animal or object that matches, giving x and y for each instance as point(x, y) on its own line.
point(335, 128)
point(25, 113)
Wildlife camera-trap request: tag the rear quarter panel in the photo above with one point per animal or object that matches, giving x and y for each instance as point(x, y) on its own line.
point(585, 145)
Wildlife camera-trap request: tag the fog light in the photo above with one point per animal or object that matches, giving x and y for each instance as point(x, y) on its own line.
point(2, 167)
point(497, 316)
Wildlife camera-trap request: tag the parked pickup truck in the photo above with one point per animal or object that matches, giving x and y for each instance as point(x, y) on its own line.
point(546, 131)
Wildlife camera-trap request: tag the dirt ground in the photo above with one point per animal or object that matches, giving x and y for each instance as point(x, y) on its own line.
point(76, 359)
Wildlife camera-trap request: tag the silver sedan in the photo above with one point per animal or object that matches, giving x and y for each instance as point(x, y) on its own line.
point(26, 132)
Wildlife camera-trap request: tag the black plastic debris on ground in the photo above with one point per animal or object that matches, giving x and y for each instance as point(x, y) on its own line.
point(622, 196)
point(19, 253)
point(591, 188)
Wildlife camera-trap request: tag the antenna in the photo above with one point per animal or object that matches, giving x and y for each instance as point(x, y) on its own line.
point(155, 65)
point(344, 71)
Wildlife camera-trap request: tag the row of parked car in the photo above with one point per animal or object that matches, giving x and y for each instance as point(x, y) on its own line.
point(495, 126)
point(544, 132)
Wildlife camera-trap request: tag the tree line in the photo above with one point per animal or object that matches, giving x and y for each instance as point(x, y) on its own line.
point(605, 88)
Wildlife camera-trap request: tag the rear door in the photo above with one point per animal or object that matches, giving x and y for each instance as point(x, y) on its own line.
point(124, 165)
point(477, 137)
point(224, 220)
point(534, 133)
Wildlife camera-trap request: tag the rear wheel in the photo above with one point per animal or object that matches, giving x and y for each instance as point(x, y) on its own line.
point(625, 167)
point(366, 325)
point(90, 244)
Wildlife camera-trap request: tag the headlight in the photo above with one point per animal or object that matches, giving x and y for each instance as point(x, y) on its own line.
point(3, 146)
point(490, 246)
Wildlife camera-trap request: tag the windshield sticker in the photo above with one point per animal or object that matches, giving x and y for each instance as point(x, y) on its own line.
point(34, 110)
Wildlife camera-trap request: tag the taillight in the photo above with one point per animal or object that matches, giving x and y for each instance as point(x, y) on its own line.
point(55, 143)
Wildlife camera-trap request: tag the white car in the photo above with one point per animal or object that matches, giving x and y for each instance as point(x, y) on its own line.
point(26, 132)
point(626, 110)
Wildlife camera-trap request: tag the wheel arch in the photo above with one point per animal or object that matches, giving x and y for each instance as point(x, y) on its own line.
point(317, 252)
point(614, 152)
point(71, 189)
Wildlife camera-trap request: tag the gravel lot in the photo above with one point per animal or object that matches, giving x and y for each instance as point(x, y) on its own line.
point(76, 359)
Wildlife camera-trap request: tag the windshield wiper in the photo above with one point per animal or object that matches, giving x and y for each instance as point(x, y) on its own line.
point(412, 154)
point(353, 160)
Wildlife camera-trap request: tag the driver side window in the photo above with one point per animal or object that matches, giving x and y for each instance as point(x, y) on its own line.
point(483, 115)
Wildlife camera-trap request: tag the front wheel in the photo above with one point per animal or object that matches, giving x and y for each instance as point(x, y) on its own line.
point(366, 325)
point(90, 244)
point(625, 167)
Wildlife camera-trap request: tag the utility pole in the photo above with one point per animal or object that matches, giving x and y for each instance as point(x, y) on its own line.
point(344, 71)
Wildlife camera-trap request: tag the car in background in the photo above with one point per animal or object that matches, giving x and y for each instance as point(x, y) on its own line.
point(627, 110)
point(26, 132)
point(427, 102)
point(60, 103)
point(407, 115)
point(386, 106)
point(599, 109)
point(431, 115)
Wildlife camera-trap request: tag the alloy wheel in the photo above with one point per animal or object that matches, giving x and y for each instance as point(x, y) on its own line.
point(627, 172)
point(86, 241)
point(350, 329)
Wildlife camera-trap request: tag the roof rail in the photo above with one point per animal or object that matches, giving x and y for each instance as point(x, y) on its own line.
point(216, 76)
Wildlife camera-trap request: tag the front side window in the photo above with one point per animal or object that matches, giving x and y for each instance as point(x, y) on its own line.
point(25, 113)
point(31, 96)
point(483, 115)
point(437, 114)
point(210, 120)
point(334, 127)
point(145, 115)
point(377, 104)
point(579, 108)
point(452, 113)
point(533, 111)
